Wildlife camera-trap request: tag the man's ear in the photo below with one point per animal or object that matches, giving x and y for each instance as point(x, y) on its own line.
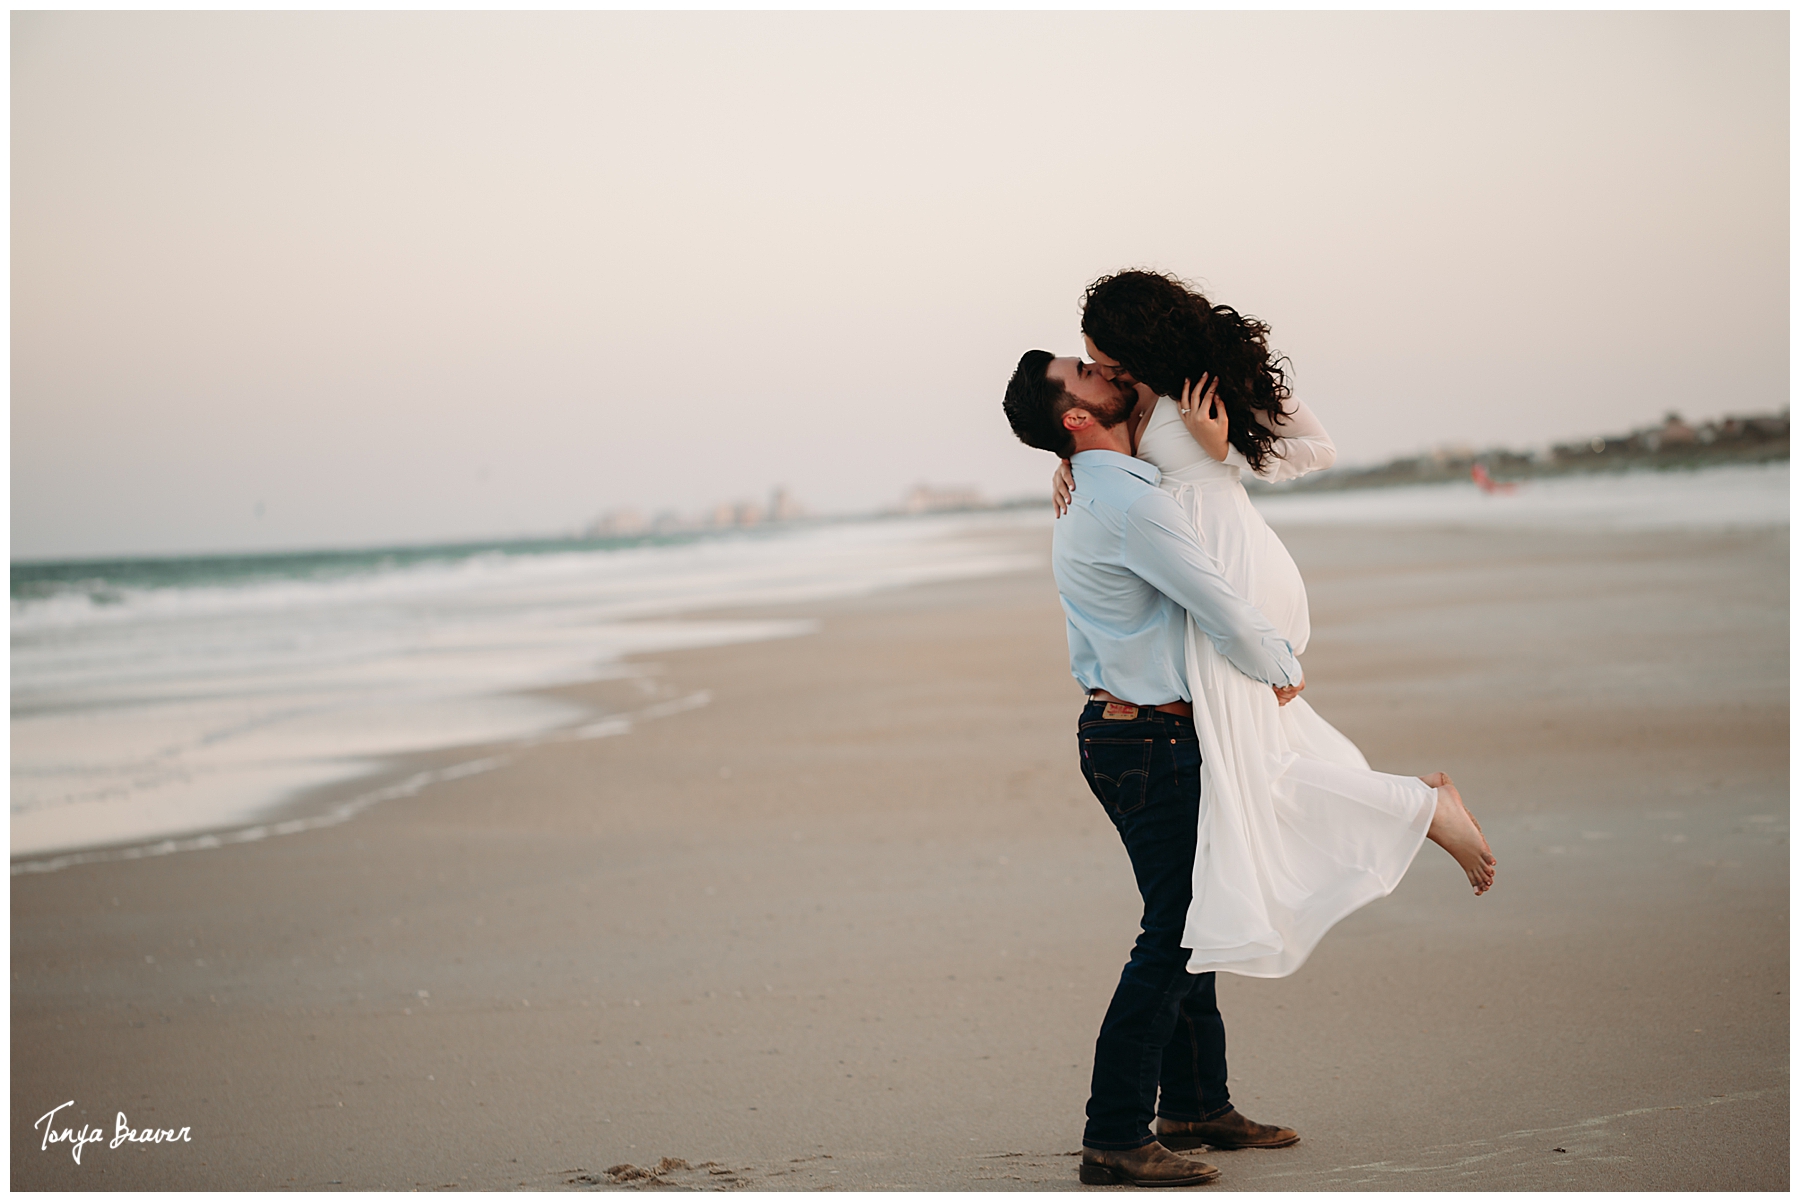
point(1077, 419)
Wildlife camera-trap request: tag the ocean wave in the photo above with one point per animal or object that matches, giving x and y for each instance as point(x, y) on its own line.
point(148, 706)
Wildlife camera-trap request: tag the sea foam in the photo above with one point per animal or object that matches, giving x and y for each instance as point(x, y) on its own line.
point(146, 711)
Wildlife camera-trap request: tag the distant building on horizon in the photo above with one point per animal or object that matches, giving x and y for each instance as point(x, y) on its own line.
point(617, 523)
point(925, 499)
point(783, 507)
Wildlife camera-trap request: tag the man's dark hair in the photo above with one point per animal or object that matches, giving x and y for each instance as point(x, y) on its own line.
point(1035, 404)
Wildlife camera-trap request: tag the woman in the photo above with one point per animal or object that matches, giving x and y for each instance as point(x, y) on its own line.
point(1295, 830)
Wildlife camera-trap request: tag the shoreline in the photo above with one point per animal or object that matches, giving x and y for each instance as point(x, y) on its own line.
point(390, 778)
point(168, 712)
point(1290, 510)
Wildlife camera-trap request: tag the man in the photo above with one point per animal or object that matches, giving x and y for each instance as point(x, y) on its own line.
point(1130, 569)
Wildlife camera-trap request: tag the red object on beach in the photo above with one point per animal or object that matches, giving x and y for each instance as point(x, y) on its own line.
point(1488, 484)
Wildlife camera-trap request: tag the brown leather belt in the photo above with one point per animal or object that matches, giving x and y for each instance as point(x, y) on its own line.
point(1183, 709)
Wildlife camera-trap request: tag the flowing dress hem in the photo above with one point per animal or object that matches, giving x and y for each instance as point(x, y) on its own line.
point(1319, 921)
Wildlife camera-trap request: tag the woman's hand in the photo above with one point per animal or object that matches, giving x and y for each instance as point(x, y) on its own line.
point(1205, 417)
point(1062, 487)
point(1286, 693)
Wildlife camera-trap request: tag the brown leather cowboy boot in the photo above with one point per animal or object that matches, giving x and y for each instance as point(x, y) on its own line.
point(1229, 1131)
point(1150, 1165)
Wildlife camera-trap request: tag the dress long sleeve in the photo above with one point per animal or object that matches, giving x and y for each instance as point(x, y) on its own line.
point(1301, 446)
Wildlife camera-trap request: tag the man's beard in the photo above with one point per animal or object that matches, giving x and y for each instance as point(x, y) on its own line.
point(1120, 410)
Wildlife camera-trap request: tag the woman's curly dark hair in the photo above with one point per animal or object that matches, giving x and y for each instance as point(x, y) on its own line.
point(1164, 332)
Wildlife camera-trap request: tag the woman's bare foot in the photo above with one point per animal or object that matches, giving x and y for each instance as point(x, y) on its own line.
point(1455, 830)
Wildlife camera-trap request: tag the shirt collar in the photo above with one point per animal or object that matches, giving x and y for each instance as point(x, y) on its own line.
point(1144, 471)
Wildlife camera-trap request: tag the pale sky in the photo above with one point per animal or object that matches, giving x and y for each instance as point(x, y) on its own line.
point(410, 277)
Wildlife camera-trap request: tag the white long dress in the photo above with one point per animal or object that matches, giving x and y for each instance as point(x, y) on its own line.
point(1296, 831)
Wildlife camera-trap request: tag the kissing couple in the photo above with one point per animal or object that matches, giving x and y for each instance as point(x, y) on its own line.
point(1251, 823)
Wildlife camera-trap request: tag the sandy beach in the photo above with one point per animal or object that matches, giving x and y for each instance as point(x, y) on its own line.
point(852, 924)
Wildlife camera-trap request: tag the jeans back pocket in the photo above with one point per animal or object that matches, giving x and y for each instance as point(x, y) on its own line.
point(1118, 771)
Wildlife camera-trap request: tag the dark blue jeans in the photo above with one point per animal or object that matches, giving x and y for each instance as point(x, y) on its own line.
point(1163, 1030)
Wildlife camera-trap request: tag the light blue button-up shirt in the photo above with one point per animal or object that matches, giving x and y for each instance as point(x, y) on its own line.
point(1130, 569)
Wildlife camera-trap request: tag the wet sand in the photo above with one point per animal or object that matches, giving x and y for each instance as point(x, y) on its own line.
point(853, 924)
